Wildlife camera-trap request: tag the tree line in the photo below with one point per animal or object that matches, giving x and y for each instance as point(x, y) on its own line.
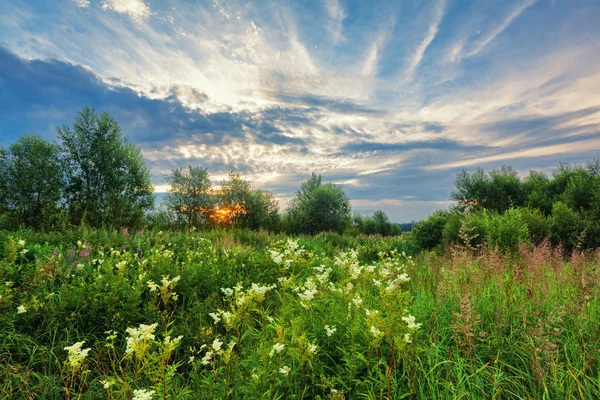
point(501, 209)
point(95, 176)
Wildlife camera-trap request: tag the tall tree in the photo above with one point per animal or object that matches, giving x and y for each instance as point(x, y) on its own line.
point(108, 180)
point(190, 198)
point(248, 207)
point(319, 207)
point(34, 181)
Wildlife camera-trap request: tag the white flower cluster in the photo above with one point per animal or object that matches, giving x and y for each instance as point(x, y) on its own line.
point(142, 394)
point(410, 321)
point(139, 338)
point(76, 354)
point(290, 252)
point(277, 348)
point(330, 330)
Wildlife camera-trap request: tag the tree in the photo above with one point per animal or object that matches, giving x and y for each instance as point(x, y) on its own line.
point(32, 181)
point(108, 180)
point(246, 207)
point(319, 207)
point(190, 198)
point(499, 190)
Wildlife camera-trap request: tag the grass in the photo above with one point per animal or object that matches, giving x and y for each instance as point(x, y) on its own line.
point(247, 318)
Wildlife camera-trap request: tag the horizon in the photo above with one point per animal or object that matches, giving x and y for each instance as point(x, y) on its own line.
point(389, 100)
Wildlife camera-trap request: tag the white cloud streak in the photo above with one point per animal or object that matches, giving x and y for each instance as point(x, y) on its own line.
point(417, 57)
point(500, 28)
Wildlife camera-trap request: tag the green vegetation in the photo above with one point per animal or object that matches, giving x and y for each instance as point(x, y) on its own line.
point(502, 210)
point(241, 314)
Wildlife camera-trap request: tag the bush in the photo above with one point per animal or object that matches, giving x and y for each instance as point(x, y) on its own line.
point(428, 233)
point(507, 230)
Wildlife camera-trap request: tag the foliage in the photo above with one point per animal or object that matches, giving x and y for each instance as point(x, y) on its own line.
point(108, 182)
point(243, 314)
point(376, 224)
point(428, 233)
point(496, 191)
point(318, 207)
point(191, 198)
point(32, 181)
point(248, 207)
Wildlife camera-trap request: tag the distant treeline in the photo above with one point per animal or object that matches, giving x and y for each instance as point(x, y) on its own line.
point(95, 177)
point(500, 209)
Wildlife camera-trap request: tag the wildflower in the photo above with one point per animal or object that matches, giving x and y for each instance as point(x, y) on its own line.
point(139, 338)
point(407, 338)
point(106, 383)
point(192, 359)
point(376, 332)
point(207, 357)
point(284, 370)
point(217, 344)
point(308, 294)
point(277, 347)
point(330, 330)
point(270, 319)
point(376, 282)
point(21, 309)
point(227, 291)
point(357, 300)
point(215, 317)
point(410, 321)
point(76, 354)
point(312, 348)
point(24, 251)
point(142, 394)
point(21, 243)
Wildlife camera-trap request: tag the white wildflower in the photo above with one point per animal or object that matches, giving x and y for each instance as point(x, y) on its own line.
point(76, 354)
point(410, 321)
point(217, 345)
point(21, 309)
point(277, 347)
point(376, 332)
point(142, 394)
point(330, 330)
point(284, 370)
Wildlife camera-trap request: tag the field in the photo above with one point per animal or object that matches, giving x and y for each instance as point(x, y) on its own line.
point(94, 314)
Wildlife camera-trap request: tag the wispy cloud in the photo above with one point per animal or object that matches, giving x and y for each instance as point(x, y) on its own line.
point(415, 59)
point(337, 14)
point(81, 3)
point(486, 39)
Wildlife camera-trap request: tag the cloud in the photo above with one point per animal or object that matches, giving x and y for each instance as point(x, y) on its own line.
point(486, 39)
point(137, 10)
point(81, 3)
point(590, 146)
point(337, 15)
point(415, 59)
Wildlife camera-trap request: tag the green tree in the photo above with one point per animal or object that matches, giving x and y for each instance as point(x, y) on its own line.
point(190, 199)
point(498, 191)
point(32, 182)
point(249, 207)
point(319, 207)
point(108, 180)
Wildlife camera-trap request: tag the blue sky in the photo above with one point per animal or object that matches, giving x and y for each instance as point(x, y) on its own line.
point(388, 98)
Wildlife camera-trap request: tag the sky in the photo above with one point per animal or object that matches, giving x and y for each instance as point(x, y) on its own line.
point(390, 99)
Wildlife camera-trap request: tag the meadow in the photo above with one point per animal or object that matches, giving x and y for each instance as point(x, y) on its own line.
point(96, 314)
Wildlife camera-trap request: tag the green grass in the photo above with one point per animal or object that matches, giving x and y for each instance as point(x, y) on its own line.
point(496, 326)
